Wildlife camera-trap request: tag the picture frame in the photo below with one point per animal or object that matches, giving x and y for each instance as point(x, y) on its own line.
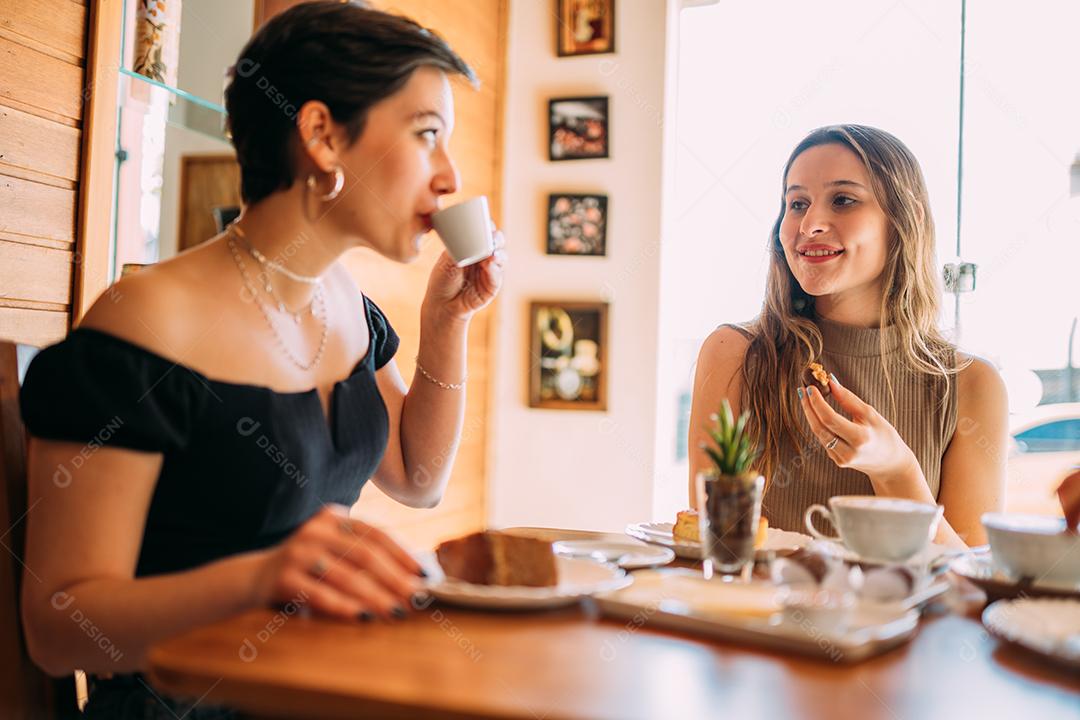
point(578, 128)
point(577, 224)
point(568, 355)
point(585, 27)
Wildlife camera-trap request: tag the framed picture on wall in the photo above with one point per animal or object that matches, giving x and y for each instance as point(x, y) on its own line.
point(585, 27)
point(568, 355)
point(577, 224)
point(578, 128)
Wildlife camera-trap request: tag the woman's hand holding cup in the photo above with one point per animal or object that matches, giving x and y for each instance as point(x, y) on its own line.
point(468, 276)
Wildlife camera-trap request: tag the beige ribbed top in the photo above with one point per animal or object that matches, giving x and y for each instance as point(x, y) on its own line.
point(853, 354)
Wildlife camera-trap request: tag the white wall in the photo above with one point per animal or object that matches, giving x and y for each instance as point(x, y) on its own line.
point(574, 468)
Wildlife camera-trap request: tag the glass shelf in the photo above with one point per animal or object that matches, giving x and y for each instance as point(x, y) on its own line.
point(185, 110)
point(175, 91)
point(174, 163)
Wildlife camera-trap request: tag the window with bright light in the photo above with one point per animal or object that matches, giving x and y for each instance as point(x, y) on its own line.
point(754, 78)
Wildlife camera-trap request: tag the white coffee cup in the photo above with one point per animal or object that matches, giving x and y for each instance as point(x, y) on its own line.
point(465, 229)
point(878, 528)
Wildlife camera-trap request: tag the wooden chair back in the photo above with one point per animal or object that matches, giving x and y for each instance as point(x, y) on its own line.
point(25, 691)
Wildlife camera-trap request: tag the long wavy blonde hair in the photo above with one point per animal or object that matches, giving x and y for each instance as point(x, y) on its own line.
point(784, 337)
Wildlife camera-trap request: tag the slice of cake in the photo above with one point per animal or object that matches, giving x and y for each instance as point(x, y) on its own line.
point(687, 529)
point(497, 558)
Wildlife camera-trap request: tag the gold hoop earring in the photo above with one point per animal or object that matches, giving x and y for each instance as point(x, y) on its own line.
point(339, 182)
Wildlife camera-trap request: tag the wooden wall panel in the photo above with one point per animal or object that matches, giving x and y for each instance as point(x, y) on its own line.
point(42, 72)
point(33, 326)
point(39, 149)
point(40, 83)
point(54, 27)
point(35, 210)
point(476, 30)
point(29, 271)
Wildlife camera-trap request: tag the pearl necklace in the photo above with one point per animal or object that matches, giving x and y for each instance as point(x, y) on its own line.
point(270, 264)
point(318, 310)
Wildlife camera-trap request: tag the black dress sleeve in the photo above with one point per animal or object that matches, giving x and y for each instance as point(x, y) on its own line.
point(384, 341)
point(98, 389)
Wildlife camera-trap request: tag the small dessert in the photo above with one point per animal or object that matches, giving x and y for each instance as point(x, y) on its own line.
point(816, 372)
point(687, 529)
point(762, 533)
point(497, 558)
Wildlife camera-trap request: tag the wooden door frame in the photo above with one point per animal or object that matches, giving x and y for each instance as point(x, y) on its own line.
point(97, 187)
point(186, 161)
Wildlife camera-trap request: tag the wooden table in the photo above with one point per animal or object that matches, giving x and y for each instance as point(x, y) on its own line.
point(445, 662)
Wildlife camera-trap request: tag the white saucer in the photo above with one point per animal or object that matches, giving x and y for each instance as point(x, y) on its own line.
point(932, 556)
point(629, 556)
point(1048, 626)
point(578, 578)
point(981, 571)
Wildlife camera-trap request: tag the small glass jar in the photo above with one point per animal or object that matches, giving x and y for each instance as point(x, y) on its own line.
point(730, 508)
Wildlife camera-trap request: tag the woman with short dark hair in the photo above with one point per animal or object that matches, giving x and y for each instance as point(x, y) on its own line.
point(197, 441)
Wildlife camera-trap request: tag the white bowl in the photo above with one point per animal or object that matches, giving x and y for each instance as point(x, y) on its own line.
point(1033, 546)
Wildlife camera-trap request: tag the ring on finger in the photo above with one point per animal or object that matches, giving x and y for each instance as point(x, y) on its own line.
point(319, 567)
point(832, 443)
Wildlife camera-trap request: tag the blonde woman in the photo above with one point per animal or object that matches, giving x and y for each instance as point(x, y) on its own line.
point(852, 285)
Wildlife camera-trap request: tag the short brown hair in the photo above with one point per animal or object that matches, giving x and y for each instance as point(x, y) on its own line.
point(344, 54)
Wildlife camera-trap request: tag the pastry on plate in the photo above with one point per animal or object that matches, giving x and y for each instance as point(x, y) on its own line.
point(687, 529)
point(497, 558)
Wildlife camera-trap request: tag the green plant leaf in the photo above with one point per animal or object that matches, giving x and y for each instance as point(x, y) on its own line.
point(733, 449)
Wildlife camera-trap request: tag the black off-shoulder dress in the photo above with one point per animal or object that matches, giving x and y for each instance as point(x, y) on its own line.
point(243, 466)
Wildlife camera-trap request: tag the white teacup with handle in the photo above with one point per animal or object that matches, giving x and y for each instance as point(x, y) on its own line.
point(878, 528)
point(465, 230)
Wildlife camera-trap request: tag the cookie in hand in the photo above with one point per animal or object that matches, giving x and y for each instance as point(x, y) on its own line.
point(816, 373)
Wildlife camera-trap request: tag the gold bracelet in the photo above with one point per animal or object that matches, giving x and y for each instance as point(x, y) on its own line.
point(440, 383)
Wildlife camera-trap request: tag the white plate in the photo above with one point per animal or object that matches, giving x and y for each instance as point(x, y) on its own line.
point(659, 533)
point(1048, 626)
point(578, 578)
point(628, 556)
point(980, 570)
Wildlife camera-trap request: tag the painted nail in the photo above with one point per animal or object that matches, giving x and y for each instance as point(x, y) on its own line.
point(365, 616)
point(799, 390)
point(809, 391)
point(832, 379)
point(398, 612)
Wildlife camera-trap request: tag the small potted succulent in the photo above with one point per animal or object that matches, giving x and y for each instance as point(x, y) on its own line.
point(729, 493)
